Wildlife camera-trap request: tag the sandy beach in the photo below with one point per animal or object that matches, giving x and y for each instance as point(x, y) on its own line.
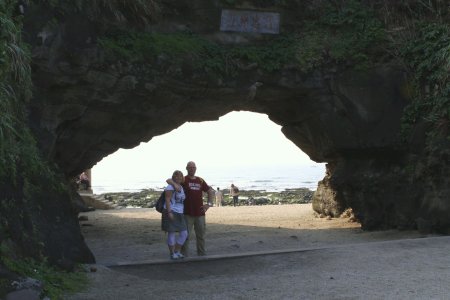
point(131, 252)
point(134, 234)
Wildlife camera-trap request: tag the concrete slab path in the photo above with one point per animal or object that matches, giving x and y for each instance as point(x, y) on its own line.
point(400, 269)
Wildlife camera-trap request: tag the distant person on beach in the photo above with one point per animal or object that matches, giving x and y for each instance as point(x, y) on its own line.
point(83, 182)
point(219, 197)
point(234, 192)
point(194, 209)
point(173, 220)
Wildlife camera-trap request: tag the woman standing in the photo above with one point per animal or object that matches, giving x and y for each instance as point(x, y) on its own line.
point(173, 217)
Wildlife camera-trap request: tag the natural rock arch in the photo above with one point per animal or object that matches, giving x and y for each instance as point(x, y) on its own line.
point(87, 108)
point(87, 105)
point(352, 116)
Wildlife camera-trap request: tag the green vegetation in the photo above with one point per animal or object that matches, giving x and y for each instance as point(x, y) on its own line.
point(419, 36)
point(138, 47)
point(15, 87)
point(350, 35)
point(264, 3)
point(138, 11)
point(428, 58)
point(25, 177)
point(339, 34)
point(19, 155)
point(56, 283)
point(338, 37)
point(144, 47)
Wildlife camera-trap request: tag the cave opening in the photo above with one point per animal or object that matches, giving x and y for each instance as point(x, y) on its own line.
point(244, 148)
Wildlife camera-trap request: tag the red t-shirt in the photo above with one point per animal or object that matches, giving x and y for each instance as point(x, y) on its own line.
point(194, 188)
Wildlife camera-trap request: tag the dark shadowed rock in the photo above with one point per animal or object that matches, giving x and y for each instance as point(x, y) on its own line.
point(87, 104)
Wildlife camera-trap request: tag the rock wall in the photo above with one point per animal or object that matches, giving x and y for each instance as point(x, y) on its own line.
point(86, 106)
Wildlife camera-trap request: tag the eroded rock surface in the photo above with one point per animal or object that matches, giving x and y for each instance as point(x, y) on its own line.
point(87, 105)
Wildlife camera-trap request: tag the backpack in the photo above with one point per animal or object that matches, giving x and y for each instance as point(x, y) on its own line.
point(235, 190)
point(159, 206)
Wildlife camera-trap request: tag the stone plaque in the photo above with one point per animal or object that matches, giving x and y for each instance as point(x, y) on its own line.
point(250, 21)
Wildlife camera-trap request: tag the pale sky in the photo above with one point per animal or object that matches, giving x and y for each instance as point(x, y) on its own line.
point(237, 139)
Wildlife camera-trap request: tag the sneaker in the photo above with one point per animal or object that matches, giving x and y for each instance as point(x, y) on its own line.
point(176, 255)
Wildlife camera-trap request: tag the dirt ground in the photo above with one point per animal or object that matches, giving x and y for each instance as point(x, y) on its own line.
point(242, 263)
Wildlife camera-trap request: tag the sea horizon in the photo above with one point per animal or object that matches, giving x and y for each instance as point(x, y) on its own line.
point(267, 178)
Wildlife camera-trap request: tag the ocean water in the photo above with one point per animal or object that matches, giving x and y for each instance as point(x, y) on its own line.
point(270, 178)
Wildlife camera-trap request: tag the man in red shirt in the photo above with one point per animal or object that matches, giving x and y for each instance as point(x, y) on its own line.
point(194, 209)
